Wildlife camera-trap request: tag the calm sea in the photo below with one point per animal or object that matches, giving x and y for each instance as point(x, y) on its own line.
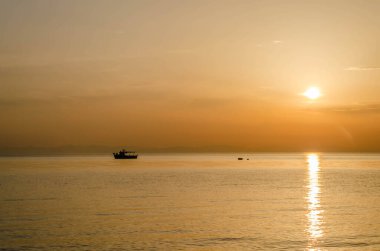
point(191, 202)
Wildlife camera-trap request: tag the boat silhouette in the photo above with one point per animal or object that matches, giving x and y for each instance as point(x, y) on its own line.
point(123, 154)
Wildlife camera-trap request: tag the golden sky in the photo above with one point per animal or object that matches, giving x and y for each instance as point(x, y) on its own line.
point(191, 73)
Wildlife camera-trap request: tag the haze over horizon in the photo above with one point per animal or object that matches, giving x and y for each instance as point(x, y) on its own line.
point(194, 74)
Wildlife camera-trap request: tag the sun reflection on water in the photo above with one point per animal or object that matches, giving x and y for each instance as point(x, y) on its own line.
point(314, 214)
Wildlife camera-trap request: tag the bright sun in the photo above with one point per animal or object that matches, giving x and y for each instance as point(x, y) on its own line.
point(312, 93)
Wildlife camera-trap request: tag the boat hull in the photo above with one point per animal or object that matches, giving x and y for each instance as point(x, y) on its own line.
point(125, 157)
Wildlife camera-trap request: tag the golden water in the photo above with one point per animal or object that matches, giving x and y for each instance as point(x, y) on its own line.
point(191, 202)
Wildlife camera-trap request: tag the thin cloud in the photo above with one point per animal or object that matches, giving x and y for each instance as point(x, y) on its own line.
point(214, 102)
point(354, 68)
point(353, 109)
point(270, 43)
point(277, 42)
point(50, 99)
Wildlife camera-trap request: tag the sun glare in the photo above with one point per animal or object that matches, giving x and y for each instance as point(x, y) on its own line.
point(312, 93)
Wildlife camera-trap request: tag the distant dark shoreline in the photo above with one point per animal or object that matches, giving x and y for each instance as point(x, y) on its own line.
point(109, 153)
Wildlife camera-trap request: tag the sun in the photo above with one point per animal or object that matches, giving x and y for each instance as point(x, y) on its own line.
point(312, 93)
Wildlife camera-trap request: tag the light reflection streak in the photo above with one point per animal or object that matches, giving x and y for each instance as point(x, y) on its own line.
point(314, 214)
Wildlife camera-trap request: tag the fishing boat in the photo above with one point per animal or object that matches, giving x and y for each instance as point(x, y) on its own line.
point(123, 154)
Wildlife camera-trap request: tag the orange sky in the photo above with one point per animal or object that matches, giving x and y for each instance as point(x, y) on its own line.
point(151, 74)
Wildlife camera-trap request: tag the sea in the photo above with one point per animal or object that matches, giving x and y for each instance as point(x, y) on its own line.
point(292, 201)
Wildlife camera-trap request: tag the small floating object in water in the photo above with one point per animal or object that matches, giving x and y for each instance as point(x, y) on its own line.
point(240, 158)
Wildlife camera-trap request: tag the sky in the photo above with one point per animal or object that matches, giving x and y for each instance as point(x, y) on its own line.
point(198, 74)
